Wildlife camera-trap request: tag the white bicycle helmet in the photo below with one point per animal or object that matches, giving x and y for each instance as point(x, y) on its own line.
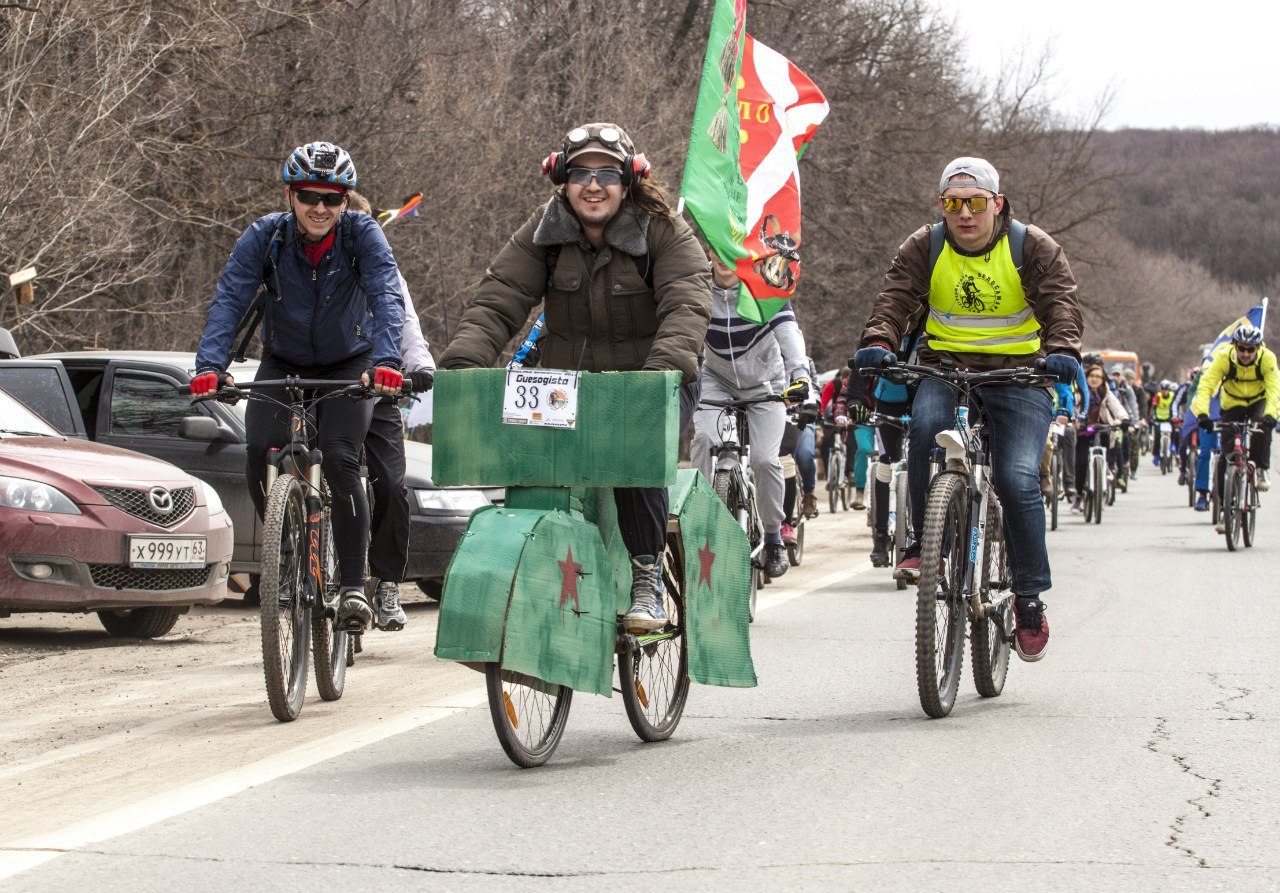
point(320, 162)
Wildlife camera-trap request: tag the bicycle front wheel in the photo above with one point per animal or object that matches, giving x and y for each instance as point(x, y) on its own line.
point(1232, 490)
point(654, 667)
point(1099, 476)
point(1055, 480)
point(331, 646)
point(528, 714)
point(988, 635)
point(940, 611)
point(1249, 510)
point(726, 489)
point(283, 603)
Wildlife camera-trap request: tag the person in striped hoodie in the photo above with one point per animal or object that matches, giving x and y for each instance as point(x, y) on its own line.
point(742, 360)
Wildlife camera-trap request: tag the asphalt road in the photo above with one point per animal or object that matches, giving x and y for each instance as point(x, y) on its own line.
point(1139, 755)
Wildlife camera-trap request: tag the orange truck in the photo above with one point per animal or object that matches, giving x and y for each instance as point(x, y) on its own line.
point(1126, 358)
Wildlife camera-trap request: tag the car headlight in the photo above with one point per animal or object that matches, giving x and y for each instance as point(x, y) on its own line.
point(20, 493)
point(212, 499)
point(450, 500)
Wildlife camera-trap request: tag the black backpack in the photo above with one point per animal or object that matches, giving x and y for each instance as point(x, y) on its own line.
point(269, 289)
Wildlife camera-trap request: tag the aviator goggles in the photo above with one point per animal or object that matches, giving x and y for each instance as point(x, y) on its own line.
point(312, 197)
point(977, 203)
point(607, 136)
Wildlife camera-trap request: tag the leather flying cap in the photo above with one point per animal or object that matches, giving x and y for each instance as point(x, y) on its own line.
point(603, 137)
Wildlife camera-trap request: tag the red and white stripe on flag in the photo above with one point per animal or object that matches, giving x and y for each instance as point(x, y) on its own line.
point(780, 109)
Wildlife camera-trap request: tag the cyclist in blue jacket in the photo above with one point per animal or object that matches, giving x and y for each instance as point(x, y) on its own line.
point(333, 310)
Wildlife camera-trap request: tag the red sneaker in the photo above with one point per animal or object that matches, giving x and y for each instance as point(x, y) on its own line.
point(1031, 640)
point(788, 535)
point(909, 567)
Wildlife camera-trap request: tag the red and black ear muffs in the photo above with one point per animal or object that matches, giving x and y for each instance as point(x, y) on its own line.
point(634, 168)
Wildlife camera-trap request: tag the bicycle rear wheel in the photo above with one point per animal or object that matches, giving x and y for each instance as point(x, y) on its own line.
point(940, 611)
point(331, 646)
point(726, 489)
point(1249, 509)
point(1231, 490)
point(654, 668)
point(795, 553)
point(283, 603)
point(988, 635)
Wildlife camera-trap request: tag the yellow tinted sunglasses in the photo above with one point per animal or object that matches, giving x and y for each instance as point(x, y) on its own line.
point(977, 203)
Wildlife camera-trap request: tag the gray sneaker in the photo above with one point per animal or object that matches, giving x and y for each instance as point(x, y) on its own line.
point(386, 601)
point(354, 612)
point(646, 612)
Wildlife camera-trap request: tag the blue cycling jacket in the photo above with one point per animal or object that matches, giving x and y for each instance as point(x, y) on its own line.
point(320, 316)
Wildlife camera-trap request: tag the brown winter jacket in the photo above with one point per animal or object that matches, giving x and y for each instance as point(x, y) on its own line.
point(601, 315)
point(1046, 278)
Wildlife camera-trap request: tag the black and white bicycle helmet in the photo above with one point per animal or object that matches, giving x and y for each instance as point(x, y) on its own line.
point(1247, 335)
point(320, 162)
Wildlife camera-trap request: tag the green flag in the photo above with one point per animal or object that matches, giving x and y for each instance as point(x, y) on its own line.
point(712, 187)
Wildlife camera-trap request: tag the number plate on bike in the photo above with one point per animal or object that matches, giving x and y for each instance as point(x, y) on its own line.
point(167, 551)
point(546, 398)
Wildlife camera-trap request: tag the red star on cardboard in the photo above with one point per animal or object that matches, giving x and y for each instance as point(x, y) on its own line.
point(569, 579)
point(706, 558)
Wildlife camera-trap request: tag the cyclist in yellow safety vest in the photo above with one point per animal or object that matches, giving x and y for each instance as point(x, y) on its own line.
point(981, 303)
point(1250, 385)
point(1161, 411)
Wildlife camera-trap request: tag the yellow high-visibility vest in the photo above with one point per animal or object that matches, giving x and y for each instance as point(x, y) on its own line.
point(977, 305)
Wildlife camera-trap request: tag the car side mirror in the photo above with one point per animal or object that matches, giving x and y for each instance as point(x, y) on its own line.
point(200, 427)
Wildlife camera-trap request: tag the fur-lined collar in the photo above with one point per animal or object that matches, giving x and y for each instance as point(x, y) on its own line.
point(627, 232)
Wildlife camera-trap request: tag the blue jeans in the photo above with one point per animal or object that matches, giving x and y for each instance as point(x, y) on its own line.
point(805, 463)
point(1207, 443)
point(1019, 426)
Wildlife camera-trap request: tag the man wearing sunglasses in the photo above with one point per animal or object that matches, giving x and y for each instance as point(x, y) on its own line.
point(332, 311)
point(1247, 374)
point(624, 286)
point(981, 305)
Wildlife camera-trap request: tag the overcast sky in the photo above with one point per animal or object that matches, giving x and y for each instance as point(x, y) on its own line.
point(1203, 65)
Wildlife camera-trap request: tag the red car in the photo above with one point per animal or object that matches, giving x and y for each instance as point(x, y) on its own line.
point(88, 527)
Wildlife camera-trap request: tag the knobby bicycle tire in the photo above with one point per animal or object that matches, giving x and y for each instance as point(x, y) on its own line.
point(330, 644)
point(988, 639)
point(654, 668)
point(1232, 491)
point(940, 611)
point(1099, 477)
point(727, 490)
point(529, 715)
point(1055, 480)
point(1249, 512)
point(286, 615)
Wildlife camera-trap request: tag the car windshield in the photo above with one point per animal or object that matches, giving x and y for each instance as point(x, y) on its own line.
point(15, 418)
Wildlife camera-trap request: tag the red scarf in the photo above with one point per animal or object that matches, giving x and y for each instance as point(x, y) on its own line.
point(315, 251)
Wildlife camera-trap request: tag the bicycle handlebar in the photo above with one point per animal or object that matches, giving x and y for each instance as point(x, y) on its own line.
point(740, 404)
point(876, 419)
point(355, 389)
point(1022, 376)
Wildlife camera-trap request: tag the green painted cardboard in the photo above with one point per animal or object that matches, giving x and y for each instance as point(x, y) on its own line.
point(477, 588)
point(627, 433)
point(561, 625)
point(717, 570)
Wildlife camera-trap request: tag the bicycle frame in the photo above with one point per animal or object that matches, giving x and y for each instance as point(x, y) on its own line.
point(734, 456)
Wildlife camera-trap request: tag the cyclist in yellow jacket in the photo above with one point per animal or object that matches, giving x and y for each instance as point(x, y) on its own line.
point(1250, 383)
point(1161, 411)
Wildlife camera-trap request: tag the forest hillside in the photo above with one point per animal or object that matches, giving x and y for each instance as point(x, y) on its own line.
point(137, 141)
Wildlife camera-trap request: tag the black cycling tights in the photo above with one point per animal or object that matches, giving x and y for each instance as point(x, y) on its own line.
point(343, 424)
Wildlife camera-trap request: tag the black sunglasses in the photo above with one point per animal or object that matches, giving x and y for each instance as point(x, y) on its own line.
point(328, 199)
point(605, 176)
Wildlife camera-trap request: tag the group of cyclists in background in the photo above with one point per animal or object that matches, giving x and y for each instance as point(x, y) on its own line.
point(625, 284)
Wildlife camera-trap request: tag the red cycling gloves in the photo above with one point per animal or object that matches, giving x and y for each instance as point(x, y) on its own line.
point(204, 384)
point(387, 378)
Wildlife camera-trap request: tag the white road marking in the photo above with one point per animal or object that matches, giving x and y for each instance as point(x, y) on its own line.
point(25, 853)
